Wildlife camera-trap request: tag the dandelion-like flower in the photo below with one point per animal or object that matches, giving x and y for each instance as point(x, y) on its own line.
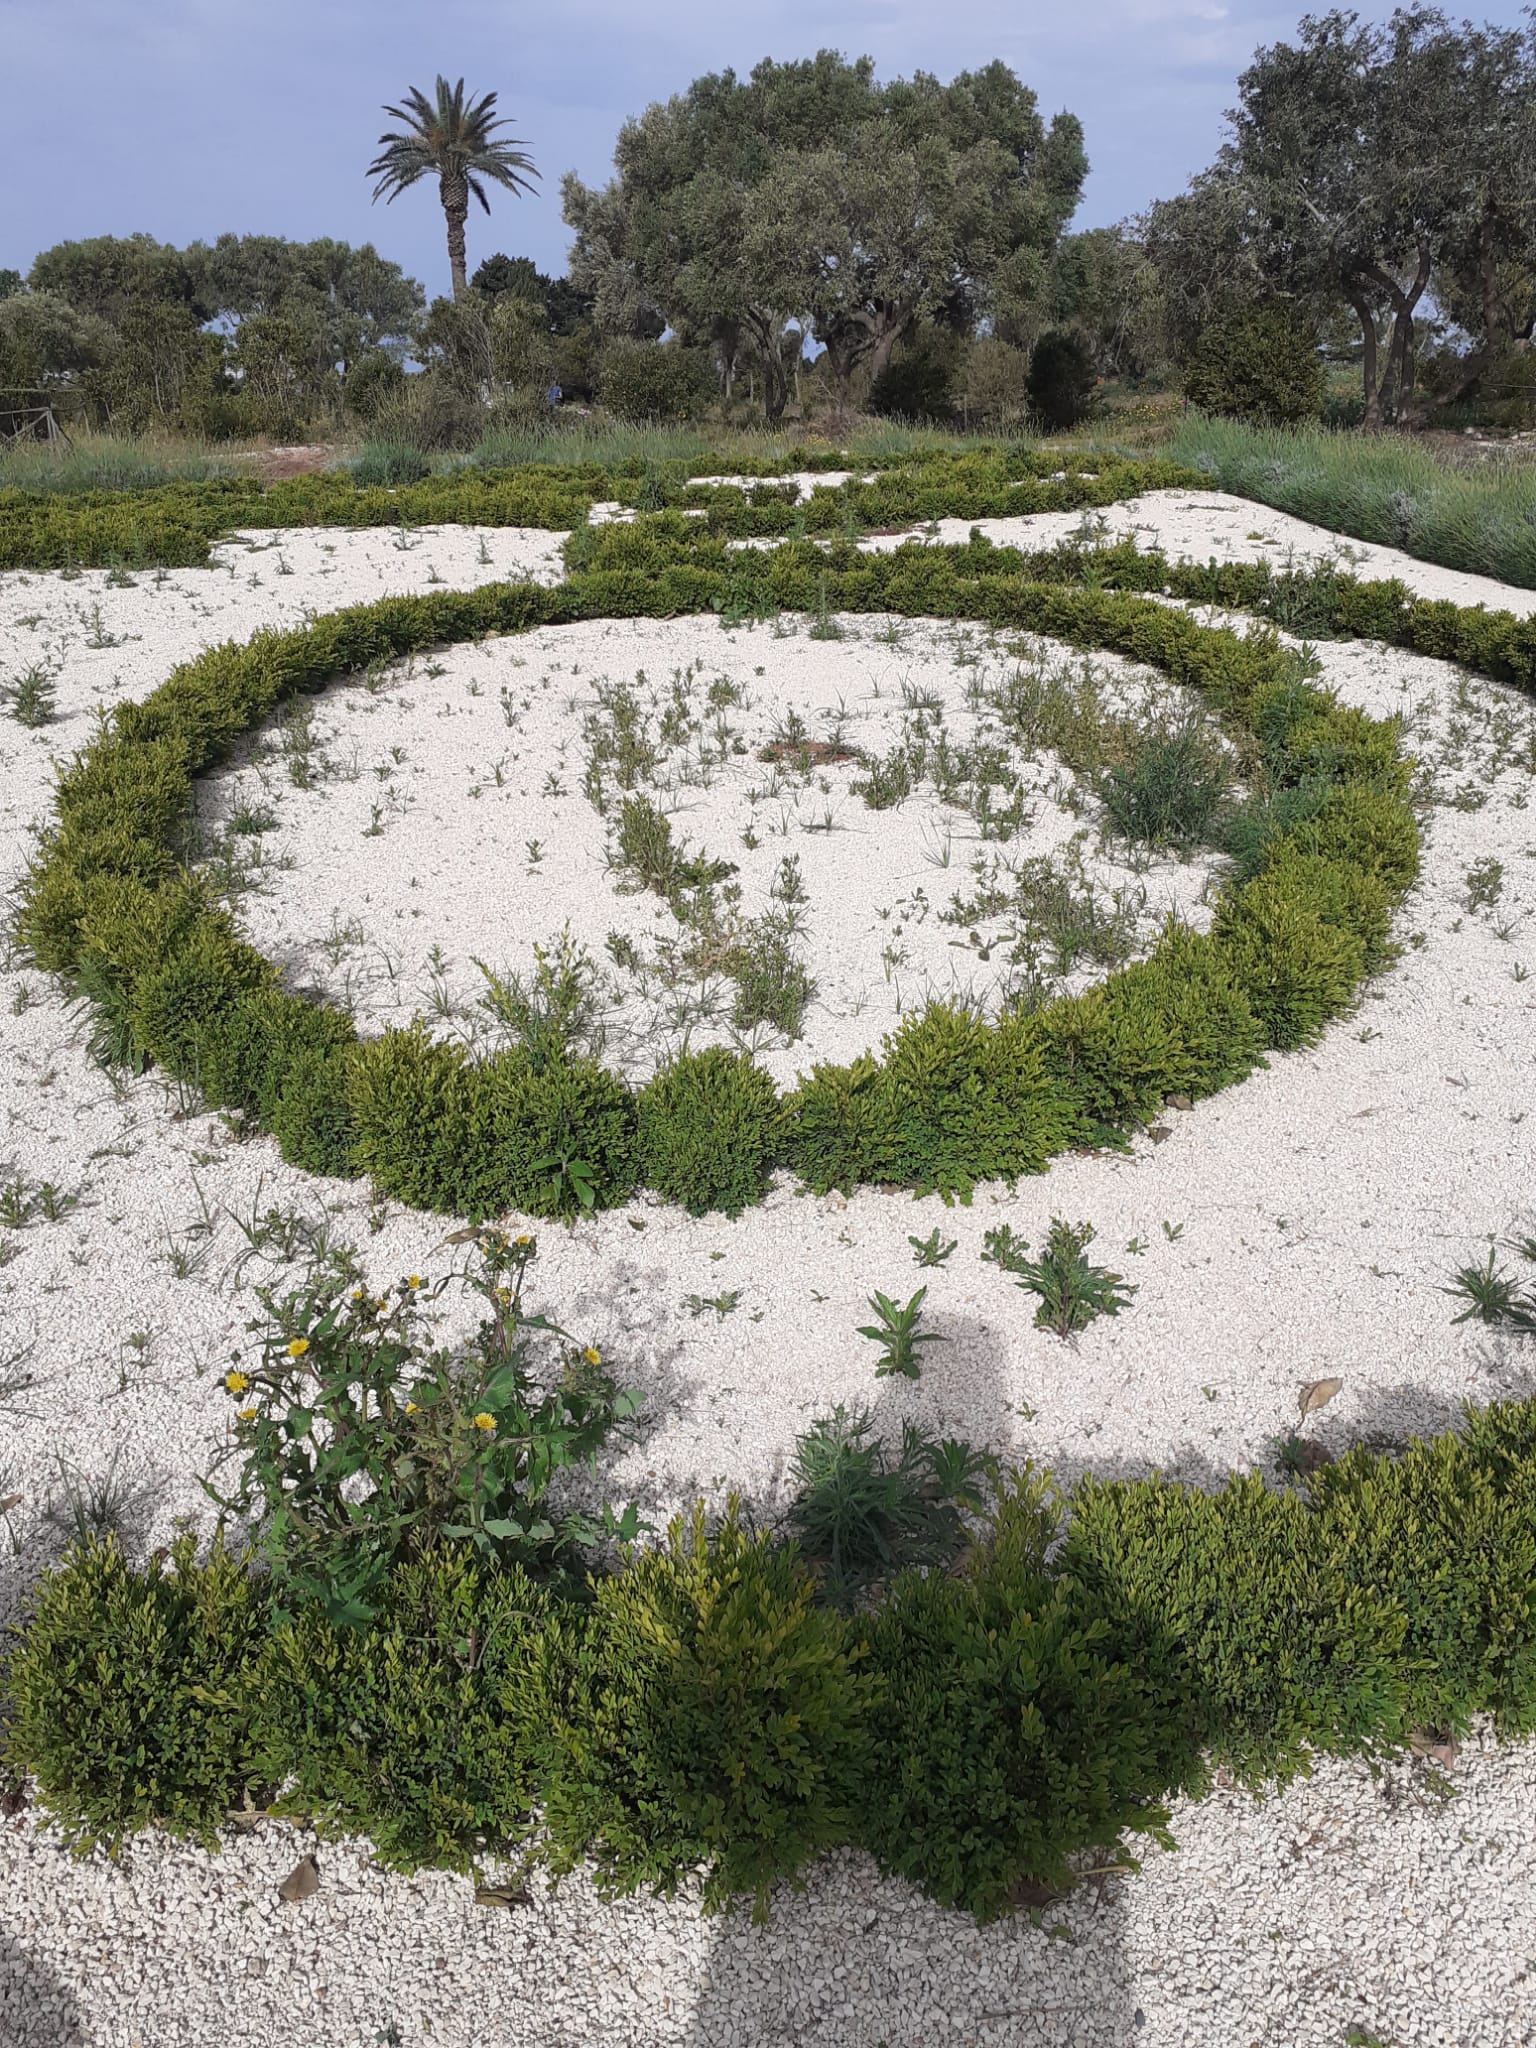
point(412, 1408)
point(357, 1294)
point(414, 1280)
point(298, 1347)
point(523, 1241)
point(592, 1356)
point(485, 1421)
point(236, 1382)
point(382, 1303)
point(247, 1415)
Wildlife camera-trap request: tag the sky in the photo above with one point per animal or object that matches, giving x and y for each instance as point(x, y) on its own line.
point(184, 118)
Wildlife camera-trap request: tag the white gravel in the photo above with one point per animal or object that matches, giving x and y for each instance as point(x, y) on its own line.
point(1299, 1225)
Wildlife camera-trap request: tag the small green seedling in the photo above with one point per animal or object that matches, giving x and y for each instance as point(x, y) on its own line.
point(932, 1250)
point(897, 1333)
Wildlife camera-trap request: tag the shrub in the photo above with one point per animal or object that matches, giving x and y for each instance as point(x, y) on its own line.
point(135, 1693)
point(388, 463)
point(1240, 1605)
point(1062, 378)
point(1014, 1731)
point(918, 383)
point(396, 1731)
point(709, 1131)
point(1261, 364)
point(1296, 969)
point(653, 381)
point(705, 1712)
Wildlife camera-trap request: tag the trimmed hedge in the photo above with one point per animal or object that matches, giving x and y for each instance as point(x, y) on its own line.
point(698, 1707)
point(950, 1101)
point(175, 525)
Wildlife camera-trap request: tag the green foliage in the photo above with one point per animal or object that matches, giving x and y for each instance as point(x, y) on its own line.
point(1014, 1730)
point(1261, 365)
point(710, 1129)
point(135, 1694)
point(1073, 1293)
point(898, 1332)
point(706, 1711)
point(455, 1447)
point(388, 463)
point(656, 381)
point(397, 1730)
point(1172, 789)
point(918, 383)
point(1062, 378)
point(863, 1514)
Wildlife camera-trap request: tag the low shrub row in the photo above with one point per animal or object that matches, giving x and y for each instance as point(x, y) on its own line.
point(109, 904)
point(175, 526)
point(701, 1706)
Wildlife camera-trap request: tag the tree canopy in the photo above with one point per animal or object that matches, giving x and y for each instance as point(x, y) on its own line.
point(807, 196)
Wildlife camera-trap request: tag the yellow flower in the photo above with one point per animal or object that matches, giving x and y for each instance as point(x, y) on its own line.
point(411, 1408)
point(484, 1421)
point(414, 1280)
point(298, 1347)
point(523, 1240)
point(592, 1356)
point(503, 1294)
point(382, 1303)
point(247, 1414)
point(236, 1382)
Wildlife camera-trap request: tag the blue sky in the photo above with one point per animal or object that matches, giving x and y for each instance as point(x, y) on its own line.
point(187, 117)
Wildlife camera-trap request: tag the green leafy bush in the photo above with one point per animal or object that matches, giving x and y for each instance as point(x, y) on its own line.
point(397, 1731)
point(135, 1695)
point(1015, 1730)
point(709, 1131)
point(706, 1711)
point(1261, 364)
point(641, 381)
point(1242, 1606)
point(389, 463)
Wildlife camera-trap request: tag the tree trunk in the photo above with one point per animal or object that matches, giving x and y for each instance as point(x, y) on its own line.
point(1400, 350)
point(455, 195)
point(1371, 420)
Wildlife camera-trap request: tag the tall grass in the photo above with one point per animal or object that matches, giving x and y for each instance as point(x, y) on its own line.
point(721, 449)
point(112, 462)
point(1383, 488)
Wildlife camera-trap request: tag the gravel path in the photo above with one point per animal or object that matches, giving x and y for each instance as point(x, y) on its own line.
point(1299, 1225)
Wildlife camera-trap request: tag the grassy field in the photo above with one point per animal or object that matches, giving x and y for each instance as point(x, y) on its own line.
point(1385, 488)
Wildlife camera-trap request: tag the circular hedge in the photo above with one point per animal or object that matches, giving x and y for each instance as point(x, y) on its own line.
point(112, 904)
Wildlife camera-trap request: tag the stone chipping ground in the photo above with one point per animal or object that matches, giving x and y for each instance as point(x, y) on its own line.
point(1298, 1226)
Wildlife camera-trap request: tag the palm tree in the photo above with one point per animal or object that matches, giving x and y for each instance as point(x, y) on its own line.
point(458, 142)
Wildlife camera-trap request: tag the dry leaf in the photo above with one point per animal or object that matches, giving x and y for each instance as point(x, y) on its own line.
point(502, 1895)
point(1317, 1394)
point(302, 1882)
point(11, 1500)
point(1033, 1894)
point(1437, 1744)
point(1178, 1102)
point(1311, 1456)
point(1158, 1132)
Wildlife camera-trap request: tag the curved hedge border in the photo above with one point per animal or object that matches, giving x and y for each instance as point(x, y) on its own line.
point(699, 1707)
point(175, 525)
point(110, 904)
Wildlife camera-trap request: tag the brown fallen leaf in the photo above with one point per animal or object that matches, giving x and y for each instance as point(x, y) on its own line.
point(1317, 1394)
point(1309, 1455)
point(502, 1895)
point(1032, 1893)
point(1436, 1743)
point(11, 1500)
point(1177, 1102)
point(302, 1882)
point(1158, 1132)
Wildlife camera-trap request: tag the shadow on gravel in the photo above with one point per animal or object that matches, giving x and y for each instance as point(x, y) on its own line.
point(35, 2009)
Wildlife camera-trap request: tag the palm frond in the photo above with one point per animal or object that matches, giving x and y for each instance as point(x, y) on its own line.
point(453, 137)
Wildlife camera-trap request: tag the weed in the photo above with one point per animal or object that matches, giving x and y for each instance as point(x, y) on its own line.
point(1491, 1295)
point(1485, 883)
point(897, 1332)
point(722, 1304)
point(32, 699)
point(1072, 1292)
point(932, 1250)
